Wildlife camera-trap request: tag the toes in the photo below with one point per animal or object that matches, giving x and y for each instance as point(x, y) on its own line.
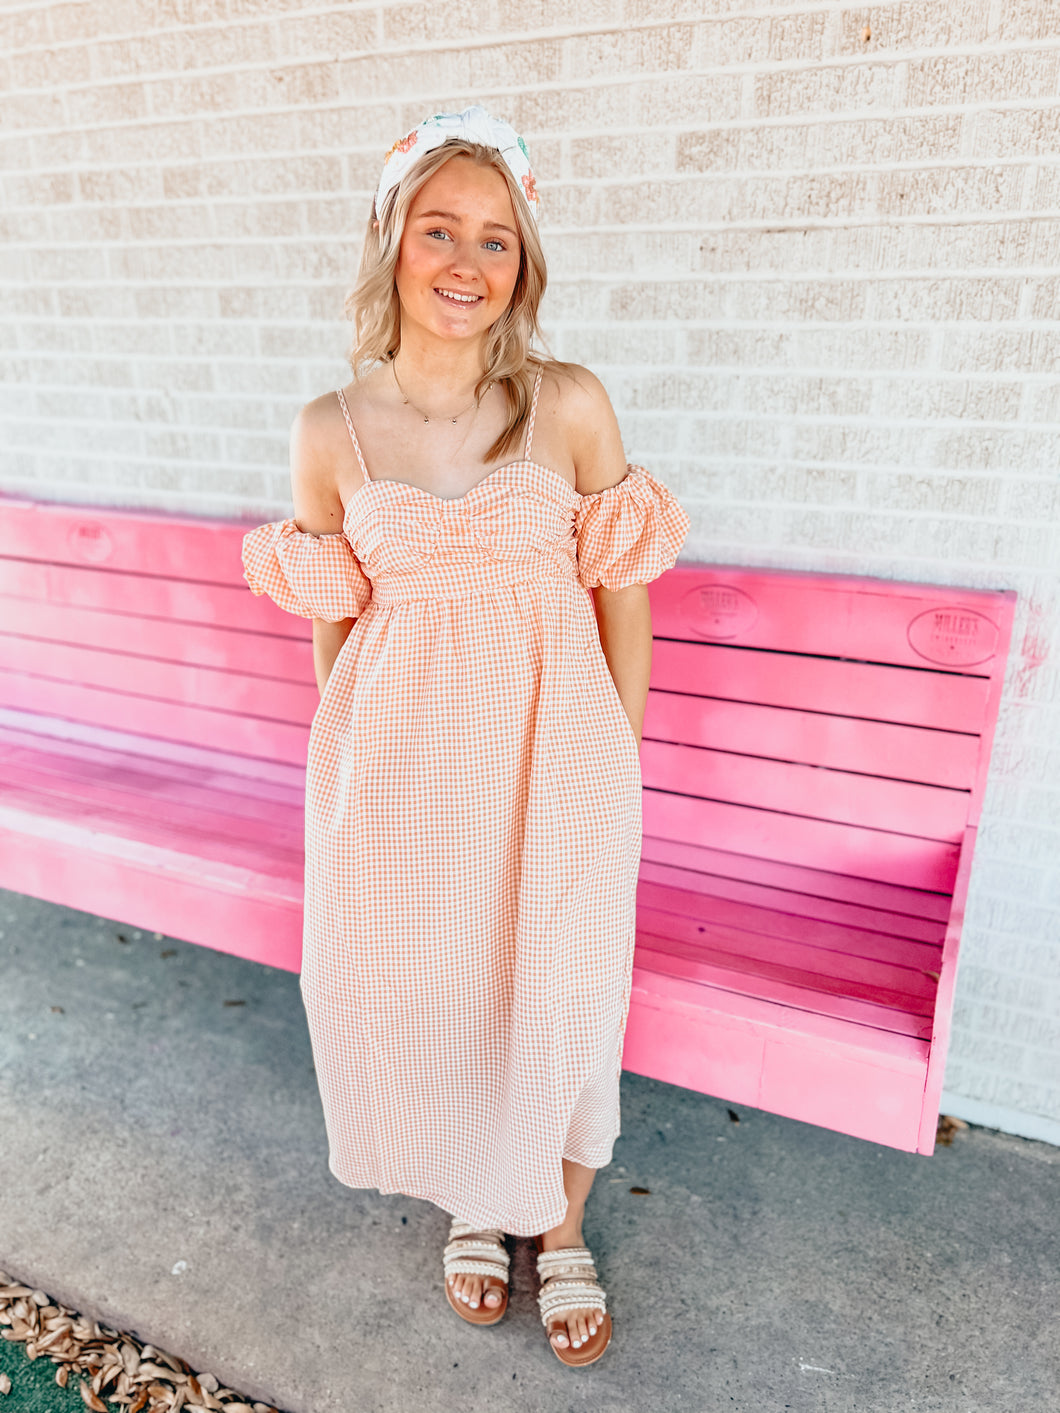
point(559, 1338)
point(492, 1297)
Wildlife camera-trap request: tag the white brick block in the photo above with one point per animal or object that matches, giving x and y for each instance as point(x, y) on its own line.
point(978, 79)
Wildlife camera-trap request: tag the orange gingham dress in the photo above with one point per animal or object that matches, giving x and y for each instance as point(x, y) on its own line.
point(473, 830)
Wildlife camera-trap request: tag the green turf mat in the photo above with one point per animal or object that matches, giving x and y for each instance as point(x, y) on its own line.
point(33, 1386)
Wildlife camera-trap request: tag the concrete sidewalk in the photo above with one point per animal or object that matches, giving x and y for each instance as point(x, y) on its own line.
point(163, 1167)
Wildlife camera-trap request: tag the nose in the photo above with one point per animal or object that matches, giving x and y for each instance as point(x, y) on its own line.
point(464, 263)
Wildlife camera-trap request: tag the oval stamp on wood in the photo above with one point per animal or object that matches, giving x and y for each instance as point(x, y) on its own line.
point(89, 540)
point(953, 637)
point(719, 611)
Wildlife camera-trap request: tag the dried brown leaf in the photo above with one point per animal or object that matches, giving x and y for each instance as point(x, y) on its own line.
point(96, 1404)
point(150, 1370)
point(138, 1402)
point(948, 1127)
point(196, 1388)
point(130, 1357)
point(62, 1373)
point(5, 1384)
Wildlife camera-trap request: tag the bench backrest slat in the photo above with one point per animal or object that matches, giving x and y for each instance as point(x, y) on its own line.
point(814, 738)
point(907, 921)
point(867, 853)
point(164, 721)
point(874, 691)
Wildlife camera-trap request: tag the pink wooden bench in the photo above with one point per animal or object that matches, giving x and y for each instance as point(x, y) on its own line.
point(814, 762)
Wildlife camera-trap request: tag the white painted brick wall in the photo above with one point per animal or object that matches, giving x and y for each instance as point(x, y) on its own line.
point(813, 250)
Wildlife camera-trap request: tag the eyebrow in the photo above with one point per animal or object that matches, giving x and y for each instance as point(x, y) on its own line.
point(451, 216)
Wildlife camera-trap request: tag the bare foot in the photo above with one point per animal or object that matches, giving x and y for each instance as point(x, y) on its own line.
point(576, 1327)
point(487, 1291)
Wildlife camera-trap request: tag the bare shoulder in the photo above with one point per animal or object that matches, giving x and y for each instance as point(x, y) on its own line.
point(579, 402)
point(320, 456)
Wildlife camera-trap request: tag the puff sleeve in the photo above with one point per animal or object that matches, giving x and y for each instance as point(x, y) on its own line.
point(315, 576)
point(629, 533)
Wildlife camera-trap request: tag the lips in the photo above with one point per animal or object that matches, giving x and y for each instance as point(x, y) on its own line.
point(458, 300)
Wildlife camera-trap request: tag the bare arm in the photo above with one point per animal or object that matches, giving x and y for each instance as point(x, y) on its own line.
point(318, 510)
point(623, 616)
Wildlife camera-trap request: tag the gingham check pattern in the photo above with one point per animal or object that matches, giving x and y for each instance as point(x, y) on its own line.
point(473, 830)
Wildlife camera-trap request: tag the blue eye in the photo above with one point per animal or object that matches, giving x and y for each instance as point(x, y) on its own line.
point(495, 245)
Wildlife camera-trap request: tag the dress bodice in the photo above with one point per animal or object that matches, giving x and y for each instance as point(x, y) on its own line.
point(523, 523)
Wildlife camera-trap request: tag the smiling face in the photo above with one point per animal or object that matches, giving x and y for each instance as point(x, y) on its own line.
point(460, 253)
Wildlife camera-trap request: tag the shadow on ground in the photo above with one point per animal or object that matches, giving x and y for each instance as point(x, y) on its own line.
point(163, 1168)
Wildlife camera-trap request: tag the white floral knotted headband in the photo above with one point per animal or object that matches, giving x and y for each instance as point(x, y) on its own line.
point(473, 125)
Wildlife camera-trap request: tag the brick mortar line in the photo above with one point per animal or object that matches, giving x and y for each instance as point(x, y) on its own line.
point(619, 26)
point(926, 164)
point(376, 7)
point(817, 118)
point(767, 226)
point(943, 424)
point(1012, 326)
point(292, 323)
point(506, 40)
point(557, 88)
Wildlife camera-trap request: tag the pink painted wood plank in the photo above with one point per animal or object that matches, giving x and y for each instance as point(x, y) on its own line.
point(150, 786)
point(760, 1016)
point(737, 1056)
point(152, 541)
point(252, 922)
point(944, 1005)
point(694, 859)
point(49, 733)
point(850, 973)
point(858, 1099)
point(201, 726)
point(685, 914)
point(691, 1047)
point(832, 615)
point(734, 970)
point(814, 738)
point(941, 700)
point(204, 644)
point(776, 984)
point(805, 791)
point(709, 887)
point(180, 599)
point(868, 853)
point(181, 830)
point(156, 683)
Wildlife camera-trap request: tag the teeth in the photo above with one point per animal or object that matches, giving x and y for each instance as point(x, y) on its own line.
point(463, 298)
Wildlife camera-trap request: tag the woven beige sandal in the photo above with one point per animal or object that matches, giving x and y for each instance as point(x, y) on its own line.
point(568, 1283)
point(472, 1252)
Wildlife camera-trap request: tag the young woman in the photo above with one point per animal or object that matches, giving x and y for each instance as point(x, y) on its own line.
point(473, 821)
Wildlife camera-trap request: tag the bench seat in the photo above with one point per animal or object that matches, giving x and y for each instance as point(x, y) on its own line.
point(814, 759)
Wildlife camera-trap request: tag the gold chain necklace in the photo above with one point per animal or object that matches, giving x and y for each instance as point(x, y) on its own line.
point(409, 403)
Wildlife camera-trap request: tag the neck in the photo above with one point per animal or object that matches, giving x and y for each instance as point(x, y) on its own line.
point(444, 371)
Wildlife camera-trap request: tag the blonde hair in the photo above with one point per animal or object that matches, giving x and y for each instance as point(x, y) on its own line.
point(374, 308)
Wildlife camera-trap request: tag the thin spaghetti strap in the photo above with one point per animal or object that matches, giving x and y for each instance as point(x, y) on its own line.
point(353, 435)
point(532, 418)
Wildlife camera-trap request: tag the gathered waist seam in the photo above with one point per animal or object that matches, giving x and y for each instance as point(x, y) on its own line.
point(385, 597)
